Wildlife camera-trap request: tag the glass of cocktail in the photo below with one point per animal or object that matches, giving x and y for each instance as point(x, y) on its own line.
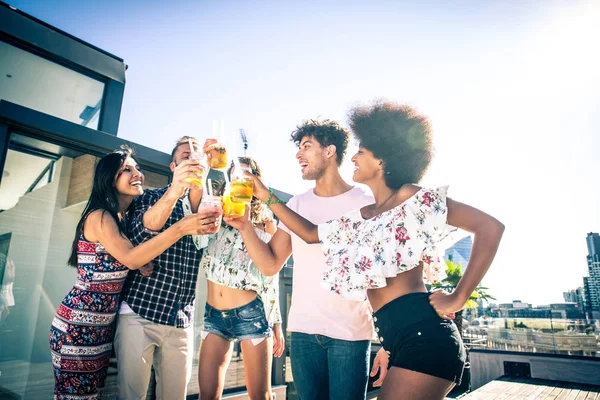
point(198, 179)
point(216, 156)
point(242, 188)
point(232, 209)
point(209, 201)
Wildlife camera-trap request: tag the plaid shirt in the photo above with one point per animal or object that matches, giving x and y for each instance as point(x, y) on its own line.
point(167, 296)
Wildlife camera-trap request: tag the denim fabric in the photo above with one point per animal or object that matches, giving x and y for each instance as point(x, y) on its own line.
point(242, 323)
point(327, 368)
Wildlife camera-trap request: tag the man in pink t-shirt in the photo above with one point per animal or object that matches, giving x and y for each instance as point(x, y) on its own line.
point(330, 336)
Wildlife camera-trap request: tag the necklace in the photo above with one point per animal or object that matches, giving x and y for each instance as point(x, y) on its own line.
point(394, 193)
point(376, 208)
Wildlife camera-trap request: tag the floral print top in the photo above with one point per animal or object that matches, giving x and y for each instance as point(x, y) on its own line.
point(362, 253)
point(227, 263)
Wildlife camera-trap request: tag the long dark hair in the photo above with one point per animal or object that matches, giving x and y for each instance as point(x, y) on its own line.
point(104, 195)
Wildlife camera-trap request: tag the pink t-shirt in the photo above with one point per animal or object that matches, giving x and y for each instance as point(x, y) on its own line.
point(315, 310)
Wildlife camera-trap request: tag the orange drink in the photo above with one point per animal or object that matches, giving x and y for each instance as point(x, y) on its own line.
point(241, 190)
point(196, 180)
point(216, 156)
point(231, 209)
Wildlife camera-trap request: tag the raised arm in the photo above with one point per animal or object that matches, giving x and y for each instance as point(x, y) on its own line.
point(302, 227)
point(101, 227)
point(155, 217)
point(487, 232)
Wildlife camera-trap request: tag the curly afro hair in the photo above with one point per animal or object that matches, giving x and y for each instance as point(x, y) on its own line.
point(325, 132)
point(396, 134)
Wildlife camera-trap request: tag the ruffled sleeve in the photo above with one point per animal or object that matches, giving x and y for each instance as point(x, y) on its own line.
point(433, 228)
point(362, 253)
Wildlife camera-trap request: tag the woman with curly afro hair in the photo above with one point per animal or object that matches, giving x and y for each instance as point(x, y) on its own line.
point(388, 251)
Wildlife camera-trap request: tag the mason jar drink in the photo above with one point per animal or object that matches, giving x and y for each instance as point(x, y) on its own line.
point(241, 190)
point(216, 156)
point(196, 180)
point(232, 209)
point(212, 202)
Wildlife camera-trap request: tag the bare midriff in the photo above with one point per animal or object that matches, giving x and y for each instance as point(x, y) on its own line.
point(226, 298)
point(400, 285)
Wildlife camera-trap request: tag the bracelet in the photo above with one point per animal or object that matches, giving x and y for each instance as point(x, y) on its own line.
point(269, 202)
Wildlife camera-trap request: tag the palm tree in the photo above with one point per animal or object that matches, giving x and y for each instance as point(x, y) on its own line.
point(450, 282)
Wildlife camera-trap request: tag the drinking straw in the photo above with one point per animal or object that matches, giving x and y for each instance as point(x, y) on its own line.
point(238, 168)
point(210, 192)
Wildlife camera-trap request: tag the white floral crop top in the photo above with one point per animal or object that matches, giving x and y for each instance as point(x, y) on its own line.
point(361, 253)
point(227, 263)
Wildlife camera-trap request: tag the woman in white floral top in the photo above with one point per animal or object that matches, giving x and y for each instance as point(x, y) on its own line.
point(388, 251)
point(242, 305)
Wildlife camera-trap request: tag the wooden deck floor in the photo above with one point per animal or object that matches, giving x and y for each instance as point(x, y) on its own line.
point(525, 389)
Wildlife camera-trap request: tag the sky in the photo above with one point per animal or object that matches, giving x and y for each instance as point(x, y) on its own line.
point(512, 89)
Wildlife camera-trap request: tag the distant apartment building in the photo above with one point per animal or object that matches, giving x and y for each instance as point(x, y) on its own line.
point(460, 252)
point(518, 309)
point(575, 296)
point(536, 341)
point(592, 281)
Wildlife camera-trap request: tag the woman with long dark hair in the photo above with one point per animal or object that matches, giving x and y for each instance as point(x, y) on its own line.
point(82, 330)
point(388, 251)
point(242, 305)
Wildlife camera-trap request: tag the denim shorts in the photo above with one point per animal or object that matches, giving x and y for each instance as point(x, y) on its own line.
point(417, 339)
point(242, 323)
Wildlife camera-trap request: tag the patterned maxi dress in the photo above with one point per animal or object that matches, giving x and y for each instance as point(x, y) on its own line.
point(82, 332)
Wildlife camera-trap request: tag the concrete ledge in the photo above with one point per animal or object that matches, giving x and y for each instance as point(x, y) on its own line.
point(487, 365)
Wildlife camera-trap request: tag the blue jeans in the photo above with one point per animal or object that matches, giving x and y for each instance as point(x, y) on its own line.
point(326, 368)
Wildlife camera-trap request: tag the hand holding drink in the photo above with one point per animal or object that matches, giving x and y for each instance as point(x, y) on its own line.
point(207, 220)
point(185, 176)
point(232, 209)
point(197, 179)
point(241, 186)
point(211, 203)
point(260, 191)
point(240, 223)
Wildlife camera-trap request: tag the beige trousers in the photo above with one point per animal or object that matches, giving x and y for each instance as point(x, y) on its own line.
point(141, 344)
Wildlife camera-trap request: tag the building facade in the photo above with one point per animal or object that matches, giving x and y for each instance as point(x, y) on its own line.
point(592, 283)
point(460, 252)
point(575, 296)
point(60, 105)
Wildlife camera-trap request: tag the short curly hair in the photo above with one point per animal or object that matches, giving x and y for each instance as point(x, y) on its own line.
point(396, 134)
point(326, 132)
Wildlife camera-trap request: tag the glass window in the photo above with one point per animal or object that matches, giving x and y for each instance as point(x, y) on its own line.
point(42, 85)
point(41, 201)
point(23, 173)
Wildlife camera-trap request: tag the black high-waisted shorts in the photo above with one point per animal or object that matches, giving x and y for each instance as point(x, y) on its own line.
point(417, 339)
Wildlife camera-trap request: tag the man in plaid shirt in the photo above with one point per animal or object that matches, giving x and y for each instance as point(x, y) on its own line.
point(155, 325)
